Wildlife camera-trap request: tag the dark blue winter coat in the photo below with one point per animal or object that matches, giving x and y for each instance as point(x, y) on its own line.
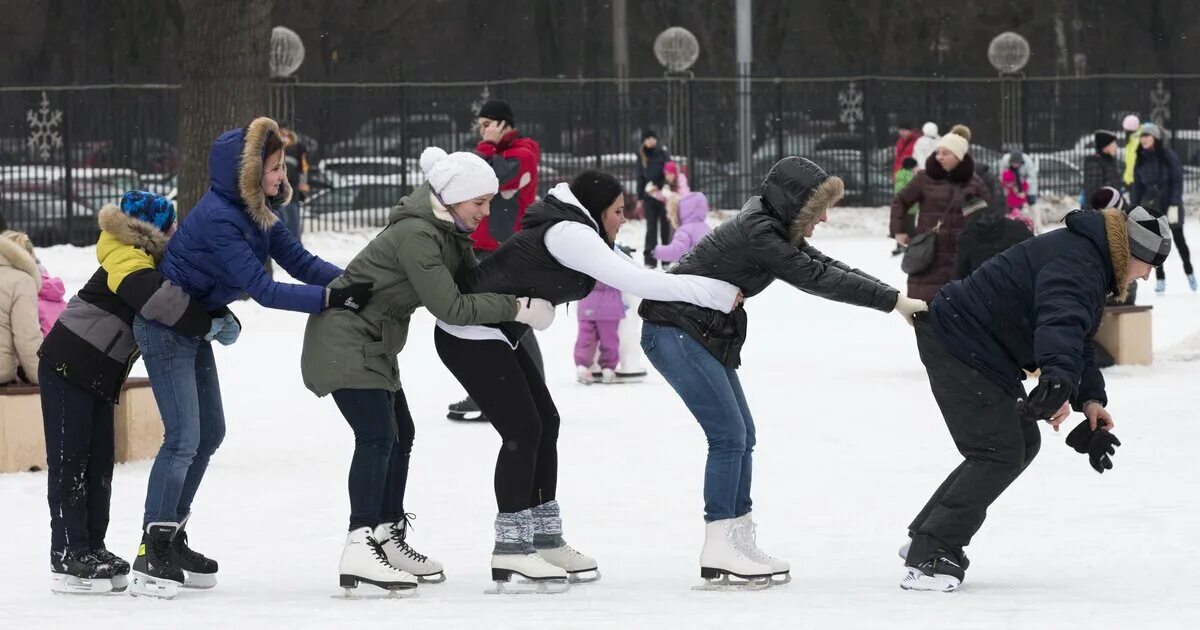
point(221, 246)
point(1038, 305)
point(1157, 180)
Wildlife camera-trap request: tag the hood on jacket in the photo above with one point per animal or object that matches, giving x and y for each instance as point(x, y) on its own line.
point(53, 289)
point(1107, 232)
point(799, 192)
point(130, 231)
point(560, 204)
point(15, 256)
point(235, 170)
point(422, 203)
point(693, 208)
point(961, 173)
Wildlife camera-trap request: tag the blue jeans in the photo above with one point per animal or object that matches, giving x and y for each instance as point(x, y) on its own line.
point(383, 438)
point(183, 375)
point(713, 393)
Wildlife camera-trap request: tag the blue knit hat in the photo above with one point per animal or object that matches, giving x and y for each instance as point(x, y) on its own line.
point(149, 207)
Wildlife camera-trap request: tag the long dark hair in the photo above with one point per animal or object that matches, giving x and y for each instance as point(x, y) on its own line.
point(597, 190)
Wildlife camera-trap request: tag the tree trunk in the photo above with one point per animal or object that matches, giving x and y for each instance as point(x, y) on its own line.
point(223, 67)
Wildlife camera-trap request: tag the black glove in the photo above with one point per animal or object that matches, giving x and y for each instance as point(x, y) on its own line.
point(1098, 445)
point(353, 297)
point(1045, 399)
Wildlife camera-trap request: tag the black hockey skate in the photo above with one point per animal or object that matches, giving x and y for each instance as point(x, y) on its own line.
point(82, 574)
point(467, 410)
point(120, 567)
point(944, 573)
point(154, 571)
point(198, 571)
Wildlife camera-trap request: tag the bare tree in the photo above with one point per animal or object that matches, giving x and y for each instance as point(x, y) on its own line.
point(223, 67)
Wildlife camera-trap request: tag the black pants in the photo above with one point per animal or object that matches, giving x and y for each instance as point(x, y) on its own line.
point(383, 439)
point(1180, 246)
point(512, 394)
point(79, 460)
point(996, 446)
point(657, 223)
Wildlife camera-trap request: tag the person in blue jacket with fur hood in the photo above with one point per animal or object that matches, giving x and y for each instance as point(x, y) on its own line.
point(217, 255)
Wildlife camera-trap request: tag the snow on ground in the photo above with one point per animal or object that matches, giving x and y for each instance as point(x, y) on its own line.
point(850, 444)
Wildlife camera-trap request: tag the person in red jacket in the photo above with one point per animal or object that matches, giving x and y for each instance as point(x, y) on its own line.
point(515, 160)
point(906, 139)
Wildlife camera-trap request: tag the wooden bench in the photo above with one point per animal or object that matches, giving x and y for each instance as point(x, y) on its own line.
point(1125, 333)
point(137, 429)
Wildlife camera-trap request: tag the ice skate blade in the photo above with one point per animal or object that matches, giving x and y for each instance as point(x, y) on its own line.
point(63, 584)
point(719, 580)
point(779, 579)
point(916, 580)
point(432, 578)
point(201, 581)
point(552, 586)
point(470, 416)
point(586, 576)
point(120, 583)
point(142, 585)
point(354, 587)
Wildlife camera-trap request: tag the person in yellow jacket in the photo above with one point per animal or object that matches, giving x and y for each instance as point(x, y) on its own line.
point(1133, 136)
point(85, 360)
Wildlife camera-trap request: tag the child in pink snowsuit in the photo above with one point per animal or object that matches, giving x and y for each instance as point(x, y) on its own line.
point(1016, 190)
point(600, 314)
point(51, 302)
point(692, 226)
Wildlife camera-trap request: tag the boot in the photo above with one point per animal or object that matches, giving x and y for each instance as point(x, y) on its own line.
point(81, 574)
point(120, 578)
point(583, 374)
point(1192, 281)
point(154, 571)
point(514, 555)
point(198, 571)
point(942, 573)
point(393, 538)
point(608, 376)
point(364, 560)
point(721, 558)
point(548, 540)
point(746, 537)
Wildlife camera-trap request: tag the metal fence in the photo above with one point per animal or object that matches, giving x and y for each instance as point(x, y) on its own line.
point(64, 151)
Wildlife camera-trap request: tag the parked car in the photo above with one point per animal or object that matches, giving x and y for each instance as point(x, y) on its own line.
point(352, 206)
point(47, 218)
point(387, 136)
point(340, 172)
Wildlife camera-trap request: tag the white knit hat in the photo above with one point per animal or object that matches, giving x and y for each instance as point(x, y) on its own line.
point(458, 176)
point(955, 143)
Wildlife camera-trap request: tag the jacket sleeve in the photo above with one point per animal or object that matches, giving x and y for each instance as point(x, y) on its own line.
point(681, 242)
point(1091, 386)
point(133, 277)
point(26, 329)
point(818, 256)
point(421, 259)
point(526, 165)
point(1175, 173)
point(241, 269)
point(1138, 189)
point(578, 247)
point(902, 201)
point(297, 261)
point(812, 272)
point(1063, 308)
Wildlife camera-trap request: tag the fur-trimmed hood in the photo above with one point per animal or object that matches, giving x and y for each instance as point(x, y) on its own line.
point(798, 192)
point(961, 173)
point(15, 256)
point(1118, 249)
point(130, 231)
point(235, 169)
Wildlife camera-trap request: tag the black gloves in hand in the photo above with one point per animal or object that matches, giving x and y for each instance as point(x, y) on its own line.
point(1097, 445)
point(1045, 399)
point(353, 297)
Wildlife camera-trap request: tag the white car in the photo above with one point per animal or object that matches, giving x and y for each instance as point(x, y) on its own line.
point(353, 171)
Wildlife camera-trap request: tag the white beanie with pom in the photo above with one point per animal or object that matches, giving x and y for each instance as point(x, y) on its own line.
point(458, 176)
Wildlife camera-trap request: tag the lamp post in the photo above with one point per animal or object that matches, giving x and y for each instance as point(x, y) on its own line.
point(287, 53)
point(1008, 54)
point(677, 50)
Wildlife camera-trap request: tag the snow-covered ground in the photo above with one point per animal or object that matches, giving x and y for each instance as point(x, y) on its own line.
point(849, 446)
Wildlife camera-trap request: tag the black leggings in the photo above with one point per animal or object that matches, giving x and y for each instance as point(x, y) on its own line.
point(1180, 246)
point(511, 392)
point(383, 438)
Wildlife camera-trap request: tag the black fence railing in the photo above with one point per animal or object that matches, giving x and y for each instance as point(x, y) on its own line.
point(65, 151)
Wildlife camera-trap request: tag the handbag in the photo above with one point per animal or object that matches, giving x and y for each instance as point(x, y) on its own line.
point(918, 257)
point(920, 252)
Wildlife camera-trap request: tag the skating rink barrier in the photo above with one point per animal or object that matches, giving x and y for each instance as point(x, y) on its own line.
point(138, 430)
point(1125, 333)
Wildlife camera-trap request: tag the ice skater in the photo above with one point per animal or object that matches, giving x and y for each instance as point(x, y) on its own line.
point(85, 360)
point(217, 256)
point(598, 341)
point(698, 350)
point(1035, 306)
point(353, 356)
point(564, 248)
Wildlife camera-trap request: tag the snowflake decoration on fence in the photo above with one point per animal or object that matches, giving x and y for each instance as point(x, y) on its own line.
point(1160, 104)
point(43, 128)
point(850, 100)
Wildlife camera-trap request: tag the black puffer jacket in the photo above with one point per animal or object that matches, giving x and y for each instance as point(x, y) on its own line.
point(988, 233)
point(765, 242)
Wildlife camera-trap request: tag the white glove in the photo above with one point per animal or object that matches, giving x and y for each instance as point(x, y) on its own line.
point(908, 307)
point(1173, 214)
point(650, 187)
point(535, 312)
